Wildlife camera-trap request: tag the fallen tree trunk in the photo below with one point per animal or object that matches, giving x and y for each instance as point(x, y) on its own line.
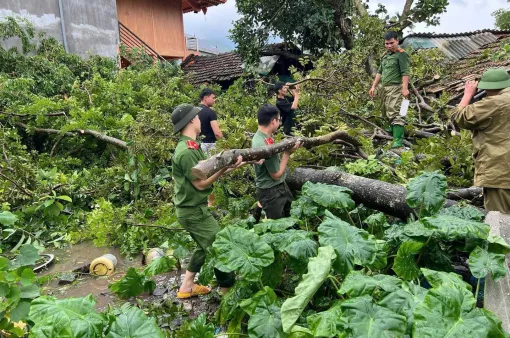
point(209, 167)
point(386, 197)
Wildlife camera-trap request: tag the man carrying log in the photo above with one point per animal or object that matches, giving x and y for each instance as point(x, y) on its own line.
point(489, 121)
point(393, 74)
point(272, 191)
point(190, 199)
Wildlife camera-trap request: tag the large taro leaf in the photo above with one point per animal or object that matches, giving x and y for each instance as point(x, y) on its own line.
point(57, 327)
point(318, 270)
point(159, 265)
point(200, 328)
point(358, 284)
point(497, 244)
point(132, 284)
point(404, 301)
point(243, 251)
point(28, 255)
point(353, 246)
point(272, 274)
point(76, 315)
point(303, 207)
point(405, 264)
point(133, 323)
point(449, 228)
point(442, 315)
point(327, 323)
point(381, 256)
point(329, 196)
point(366, 319)
point(438, 278)
point(468, 213)
point(427, 193)
point(274, 225)
point(298, 244)
point(249, 305)
point(481, 262)
point(266, 320)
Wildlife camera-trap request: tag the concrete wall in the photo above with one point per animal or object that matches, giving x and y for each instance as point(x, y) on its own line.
point(90, 25)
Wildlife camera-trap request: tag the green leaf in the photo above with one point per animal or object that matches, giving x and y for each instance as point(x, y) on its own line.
point(132, 284)
point(64, 198)
point(381, 256)
point(7, 218)
point(427, 193)
point(272, 274)
point(353, 246)
point(159, 265)
point(296, 243)
point(404, 301)
point(449, 228)
point(327, 323)
point(481, 262)
point(357, 284)
point(20, 312)
point(376, 224)
point(230, 302)
point(249, 305)
point(29, 291)
point(442, 315)
point(438, 278)
point(467, 213)
point(78, 314)
point(240, 250)
point(497, 244)
point(266, 320)
point(365, 319)
point(300, 332)
point(303, 207)
point(27, 276)
point(318, 270)
point(405, 265)
point(28, 255)
point(133, 323)
point(57, 327)
point(200, 329)
point(274, 225)
point(329, 196)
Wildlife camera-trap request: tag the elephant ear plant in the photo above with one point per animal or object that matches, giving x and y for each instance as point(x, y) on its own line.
point(360, 277)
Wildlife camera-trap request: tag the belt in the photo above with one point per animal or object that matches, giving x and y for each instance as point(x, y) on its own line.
point(191, 206)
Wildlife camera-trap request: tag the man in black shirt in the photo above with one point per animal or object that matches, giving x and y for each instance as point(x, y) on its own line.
point(287, 105)
point(209, 120)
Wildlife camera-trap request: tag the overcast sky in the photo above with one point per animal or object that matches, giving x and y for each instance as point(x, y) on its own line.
point(462, 16)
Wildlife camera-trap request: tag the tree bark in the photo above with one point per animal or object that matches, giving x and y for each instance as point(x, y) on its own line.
point(406, 11)
point(209, 167)
point(378, 195)
point(343, 23)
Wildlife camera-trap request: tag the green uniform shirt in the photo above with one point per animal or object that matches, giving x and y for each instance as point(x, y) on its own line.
point(393, 67)
point(185, 158)
point(263, 179)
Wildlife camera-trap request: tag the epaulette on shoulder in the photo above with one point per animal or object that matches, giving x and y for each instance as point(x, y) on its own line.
point(400, 50)
point(192, 145)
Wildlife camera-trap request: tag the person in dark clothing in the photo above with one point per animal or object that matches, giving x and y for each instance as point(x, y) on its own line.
point(287, 105)
point(209, 119)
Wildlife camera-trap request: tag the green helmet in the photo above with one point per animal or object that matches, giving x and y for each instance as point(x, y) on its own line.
point(494, 79)
point(182, 115)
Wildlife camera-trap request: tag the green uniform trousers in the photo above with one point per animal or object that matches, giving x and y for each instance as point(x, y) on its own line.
point(391, 100)
point(495, 199)
point(202, 226)
point(276, 201)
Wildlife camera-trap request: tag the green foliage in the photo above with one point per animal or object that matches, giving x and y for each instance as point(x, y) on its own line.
point(405, 265)
point(318, 270)
point(481, 262)
point(502, 17)
point(329, 196)
point(427, 193)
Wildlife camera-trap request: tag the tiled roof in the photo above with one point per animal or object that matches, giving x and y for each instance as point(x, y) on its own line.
point(472, 67)
point(455, 46)
point(212, 68)
point(203, 4)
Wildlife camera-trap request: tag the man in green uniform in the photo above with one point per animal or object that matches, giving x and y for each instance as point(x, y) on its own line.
point(489, 121)
point(190, 199)
point(393, 74)
point(272, 192)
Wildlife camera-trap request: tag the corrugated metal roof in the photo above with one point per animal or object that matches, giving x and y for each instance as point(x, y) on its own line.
point(455, 46)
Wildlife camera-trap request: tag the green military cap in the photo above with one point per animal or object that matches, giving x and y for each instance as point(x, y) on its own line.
point(494, 79)
point(182, 115)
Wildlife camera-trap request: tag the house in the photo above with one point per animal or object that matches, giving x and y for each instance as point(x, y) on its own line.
point(198, 46)
point(494, 54)
point(225, 68)
point(98, 26)
point(454, 46)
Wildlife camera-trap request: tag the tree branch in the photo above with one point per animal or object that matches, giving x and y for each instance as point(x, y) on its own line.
point(209, 167)
point(25, 191)
point(105, 138)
